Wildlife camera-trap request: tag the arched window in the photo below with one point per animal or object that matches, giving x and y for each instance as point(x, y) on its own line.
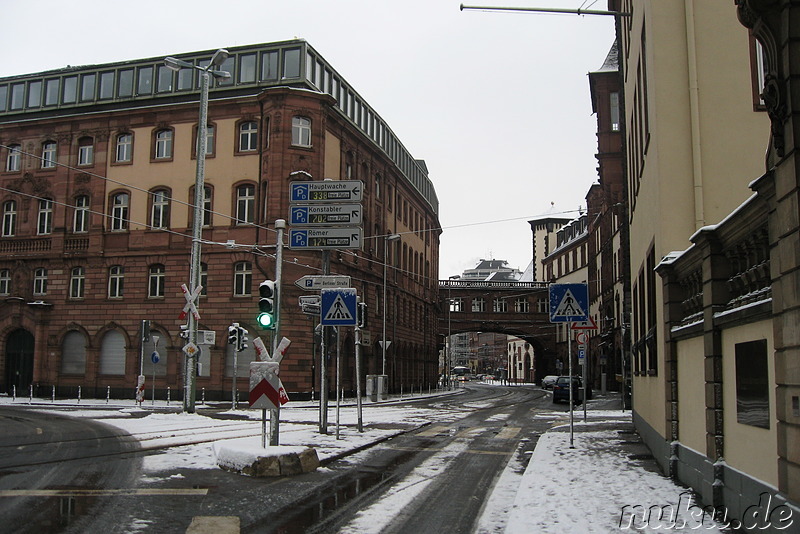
point(85, 151)
point(301, 131)
point(124, 148)
point(156, 281)
point(44, 224)
point(73, 354)
point(159, 209)
point(80, 216)
point(119, 212)
point(9, 218)
point(163, 145)
point(245, 204)
point(40, 281)
point(242, 278)
point(13, 158)
point(77, 283)
point(116, 282)
point(248, 136)
point(48, 154)
point(112, 354)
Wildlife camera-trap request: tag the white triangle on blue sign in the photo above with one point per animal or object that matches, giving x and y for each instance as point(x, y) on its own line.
point(569, 306)
point(338, 310)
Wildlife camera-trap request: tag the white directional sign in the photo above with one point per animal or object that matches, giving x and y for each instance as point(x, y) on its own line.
point(325, 238)
point(326, 215)
point(327, 191)
point(322, 281)
point(338, 307)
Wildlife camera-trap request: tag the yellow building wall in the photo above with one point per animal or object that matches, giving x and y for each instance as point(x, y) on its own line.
point(750, 449)
point(691, 394)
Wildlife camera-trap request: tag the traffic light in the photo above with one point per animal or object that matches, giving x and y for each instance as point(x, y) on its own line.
point(243, 339)
point(361, 315)
point(233, 335)
point(266, 304)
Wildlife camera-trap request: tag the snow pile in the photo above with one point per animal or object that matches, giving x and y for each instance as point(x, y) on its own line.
point(236, 454)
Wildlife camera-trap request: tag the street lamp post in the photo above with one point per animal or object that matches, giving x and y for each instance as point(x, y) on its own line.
point(392, 237)
point(175, 64)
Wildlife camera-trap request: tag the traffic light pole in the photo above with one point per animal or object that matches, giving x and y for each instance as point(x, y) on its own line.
point(323, 365)
point(275, 415)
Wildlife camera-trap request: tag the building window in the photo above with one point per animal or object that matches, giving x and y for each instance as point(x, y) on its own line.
point(124, 150)
point(242, 279)
point(245, 204)
point(614, 102)
point(521, 305)
point(204, 278)
point(5, 282)
point(112, 354)
point(77, 281)
point(73, 354)
point(40, 281)
point(119, 212)
point(301, 131)
point(752, 383)
point(248, 136)
point(159, 213)
point(163, 146)
point(80, 217)
point(209, 140)
point(9, 218)
point(48, 155)
point(116, 282)
point(13, 159)
point(499, 306)
point(478, 304)
point(156, 279)
point(85, 151)
point(207, 206)
point(456, 305)
point(45, 219)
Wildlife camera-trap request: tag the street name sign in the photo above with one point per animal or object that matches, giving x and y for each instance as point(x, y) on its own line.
point(327, 191)
point(338, 307)
point(569, 303)
point(322, 281)
point(326, 215)
point(325, 238)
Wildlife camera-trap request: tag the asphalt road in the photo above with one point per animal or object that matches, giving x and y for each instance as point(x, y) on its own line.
point(82, 476)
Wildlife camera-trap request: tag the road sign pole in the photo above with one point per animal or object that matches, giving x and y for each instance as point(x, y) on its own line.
point(275, 415)
point(323, 366)
point(571, 412)
point(358, 378)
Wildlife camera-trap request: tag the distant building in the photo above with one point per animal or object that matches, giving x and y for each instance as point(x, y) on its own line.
point(492, 270)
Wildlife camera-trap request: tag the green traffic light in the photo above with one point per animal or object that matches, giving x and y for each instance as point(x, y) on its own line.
point(265, 320)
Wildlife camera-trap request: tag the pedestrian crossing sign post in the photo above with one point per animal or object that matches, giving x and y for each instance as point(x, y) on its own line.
point(338, 307)
point(569, 303)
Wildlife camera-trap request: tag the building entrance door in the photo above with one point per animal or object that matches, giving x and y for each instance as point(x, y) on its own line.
point(19, 361)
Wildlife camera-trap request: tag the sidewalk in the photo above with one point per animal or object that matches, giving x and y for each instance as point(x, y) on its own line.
point(605, 481)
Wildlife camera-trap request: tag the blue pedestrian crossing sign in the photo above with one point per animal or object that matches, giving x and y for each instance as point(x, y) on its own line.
point(569, 303)
point(338, 307)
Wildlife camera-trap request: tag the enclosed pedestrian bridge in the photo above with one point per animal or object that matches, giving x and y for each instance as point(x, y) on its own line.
point(507, 307)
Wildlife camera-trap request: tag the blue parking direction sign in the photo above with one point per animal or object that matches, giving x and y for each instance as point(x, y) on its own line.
point(325, 215)
point(325, 238)
point(327, 191)
point(569, 303)
point(338, 307)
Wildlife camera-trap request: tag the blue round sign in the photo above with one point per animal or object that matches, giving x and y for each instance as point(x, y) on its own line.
point(154, 357)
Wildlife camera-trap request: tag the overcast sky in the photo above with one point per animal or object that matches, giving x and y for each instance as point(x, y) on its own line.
point(496, 103)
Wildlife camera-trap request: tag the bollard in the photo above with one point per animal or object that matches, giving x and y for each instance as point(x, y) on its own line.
point(53, 398)
point(203, 396)
point(14, 393)
point(168, 392)
point(79, 394)
point(30, 394)
point(108, 394)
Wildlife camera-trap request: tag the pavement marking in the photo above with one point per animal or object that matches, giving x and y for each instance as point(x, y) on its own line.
point(101, 492)
point(509, 432)
point(228, 524)
point(433, 430)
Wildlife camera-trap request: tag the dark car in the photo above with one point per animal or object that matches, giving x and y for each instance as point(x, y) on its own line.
point(561, 389)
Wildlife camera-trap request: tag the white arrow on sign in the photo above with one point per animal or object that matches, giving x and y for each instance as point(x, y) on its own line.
point(322, 281)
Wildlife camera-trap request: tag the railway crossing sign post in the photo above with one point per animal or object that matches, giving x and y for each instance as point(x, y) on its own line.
point(569, 303)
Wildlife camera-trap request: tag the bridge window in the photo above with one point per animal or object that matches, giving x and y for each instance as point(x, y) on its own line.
point(542, 306)
point(521, 305)
point(479, 304)
point(456, 305)
point(499, 306)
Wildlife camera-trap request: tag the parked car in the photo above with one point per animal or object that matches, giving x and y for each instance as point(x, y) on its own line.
point(549, 381)
point(561, 389)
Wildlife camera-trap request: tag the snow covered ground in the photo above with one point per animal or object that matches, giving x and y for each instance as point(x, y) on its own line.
point(592, 487)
